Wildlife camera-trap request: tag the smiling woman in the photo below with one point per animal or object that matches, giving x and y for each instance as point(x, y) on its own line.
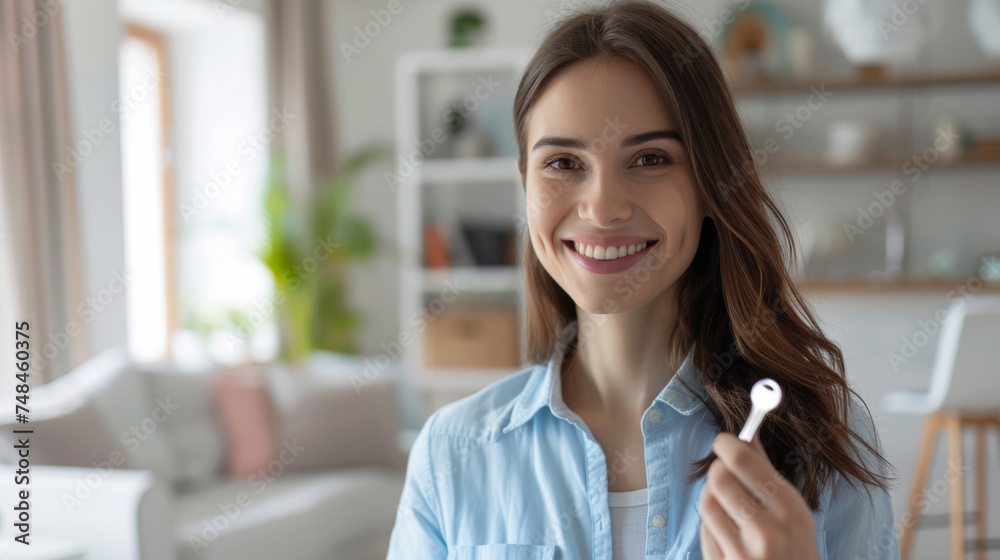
point(656, 295)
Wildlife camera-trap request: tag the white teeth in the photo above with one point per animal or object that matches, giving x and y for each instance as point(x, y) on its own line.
point(608, 253)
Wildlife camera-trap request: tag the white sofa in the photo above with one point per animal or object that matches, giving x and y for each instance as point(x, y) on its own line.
point(142, 469)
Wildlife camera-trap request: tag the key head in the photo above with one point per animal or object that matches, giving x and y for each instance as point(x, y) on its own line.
point(765, 394)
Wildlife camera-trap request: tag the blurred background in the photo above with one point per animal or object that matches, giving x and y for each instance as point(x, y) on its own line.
point(255, 244)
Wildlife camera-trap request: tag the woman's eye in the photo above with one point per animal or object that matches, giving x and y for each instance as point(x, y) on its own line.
point(651, 160)
point(561, 164)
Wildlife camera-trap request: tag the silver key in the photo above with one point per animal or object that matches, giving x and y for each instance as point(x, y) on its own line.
point(765, 396)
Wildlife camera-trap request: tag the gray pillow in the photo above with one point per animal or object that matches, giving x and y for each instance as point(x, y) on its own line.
point(333, 424)
point(194, 433)
point(363, 369)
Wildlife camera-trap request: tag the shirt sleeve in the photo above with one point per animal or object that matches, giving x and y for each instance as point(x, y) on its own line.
point(417, 529)
point(859, 523)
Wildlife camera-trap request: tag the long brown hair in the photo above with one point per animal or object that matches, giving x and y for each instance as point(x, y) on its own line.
point(738, 307)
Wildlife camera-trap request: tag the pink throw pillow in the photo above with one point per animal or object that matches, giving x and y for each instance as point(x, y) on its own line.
point(244, 405)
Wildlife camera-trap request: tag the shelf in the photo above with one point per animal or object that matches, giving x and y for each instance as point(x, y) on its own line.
point(470, 170)
point(904, 286)
point(474, 279)
point(819, 166)
point(844, 84)
point(461, 379)
point(471, 59)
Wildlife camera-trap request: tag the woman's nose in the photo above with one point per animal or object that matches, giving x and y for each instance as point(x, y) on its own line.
point(605, 200)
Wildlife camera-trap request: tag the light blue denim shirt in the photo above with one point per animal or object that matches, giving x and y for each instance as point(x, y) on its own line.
point(511, 472)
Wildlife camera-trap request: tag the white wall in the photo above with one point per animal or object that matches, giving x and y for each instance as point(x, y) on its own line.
point(93, 32)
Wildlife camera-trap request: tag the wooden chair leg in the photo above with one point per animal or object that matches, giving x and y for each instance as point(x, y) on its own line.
point(957, 490)
point(980, 488)
point(925, 457)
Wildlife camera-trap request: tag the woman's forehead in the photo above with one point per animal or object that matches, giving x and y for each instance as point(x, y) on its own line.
point(587, 98)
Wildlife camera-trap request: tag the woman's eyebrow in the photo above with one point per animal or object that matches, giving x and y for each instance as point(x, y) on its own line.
point(632, 140)
point(644, 137)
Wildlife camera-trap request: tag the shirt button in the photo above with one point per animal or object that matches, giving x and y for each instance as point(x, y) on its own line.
point(658, 521)
point(654, 415)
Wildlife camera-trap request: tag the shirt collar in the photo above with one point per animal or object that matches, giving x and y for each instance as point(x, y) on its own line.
point(544, 386)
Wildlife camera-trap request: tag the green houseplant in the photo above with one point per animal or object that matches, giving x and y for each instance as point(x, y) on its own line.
point(308, 252)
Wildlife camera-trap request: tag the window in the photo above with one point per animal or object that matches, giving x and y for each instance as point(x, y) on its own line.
point(142, 108)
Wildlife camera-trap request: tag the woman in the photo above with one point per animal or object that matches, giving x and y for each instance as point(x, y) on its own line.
point(656, 295)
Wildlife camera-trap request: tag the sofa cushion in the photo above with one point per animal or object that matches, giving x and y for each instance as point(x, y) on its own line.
point(364, 369)
point(195, 433)
point(101, 414)
point(338, 423)
point(292, 516)
point(240, 393)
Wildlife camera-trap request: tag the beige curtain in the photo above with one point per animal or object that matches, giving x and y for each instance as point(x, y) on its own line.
point(299, 74)
point(39, 203)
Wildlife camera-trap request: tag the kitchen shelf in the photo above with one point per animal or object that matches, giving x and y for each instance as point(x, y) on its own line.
point(904, 132)
point(819, 166)
point(849, 84)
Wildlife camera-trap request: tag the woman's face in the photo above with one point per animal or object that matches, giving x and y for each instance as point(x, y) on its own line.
point(607, 168)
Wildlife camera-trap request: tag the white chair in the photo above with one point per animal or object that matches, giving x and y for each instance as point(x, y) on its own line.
point(964, 391)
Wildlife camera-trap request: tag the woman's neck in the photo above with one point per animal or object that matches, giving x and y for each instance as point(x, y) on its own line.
point(620, 362)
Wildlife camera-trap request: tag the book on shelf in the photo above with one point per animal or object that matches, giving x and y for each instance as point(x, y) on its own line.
point(436, 253)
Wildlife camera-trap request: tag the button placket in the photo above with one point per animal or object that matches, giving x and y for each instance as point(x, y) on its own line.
point(657, 521)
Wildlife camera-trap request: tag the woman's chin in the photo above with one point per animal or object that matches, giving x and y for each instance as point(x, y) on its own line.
point(608, 303)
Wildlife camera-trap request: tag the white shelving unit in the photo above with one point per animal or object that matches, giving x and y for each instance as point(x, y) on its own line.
point(443, 188)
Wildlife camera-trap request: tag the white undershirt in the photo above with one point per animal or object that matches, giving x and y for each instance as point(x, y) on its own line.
point(628, 524)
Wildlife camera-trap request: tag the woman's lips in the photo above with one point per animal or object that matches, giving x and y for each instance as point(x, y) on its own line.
point(600, 266)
